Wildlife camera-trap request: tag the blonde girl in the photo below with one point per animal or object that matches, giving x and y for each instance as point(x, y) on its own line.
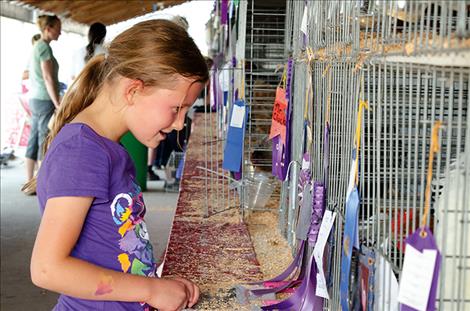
point(92, 245)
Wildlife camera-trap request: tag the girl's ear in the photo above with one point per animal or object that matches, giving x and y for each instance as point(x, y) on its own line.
point(132, 86)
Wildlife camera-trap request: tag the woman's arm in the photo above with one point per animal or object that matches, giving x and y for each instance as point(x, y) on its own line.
point(47, 68)
point(53, 268)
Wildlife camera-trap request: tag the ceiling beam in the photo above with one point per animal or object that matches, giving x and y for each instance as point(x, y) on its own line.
point(29, 14)
point(106, 11)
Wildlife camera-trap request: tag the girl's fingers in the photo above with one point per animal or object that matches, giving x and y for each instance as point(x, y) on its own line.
point(193, 290)
point(195, 296)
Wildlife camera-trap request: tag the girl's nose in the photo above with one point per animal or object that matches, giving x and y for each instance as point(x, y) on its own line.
point(179, 122)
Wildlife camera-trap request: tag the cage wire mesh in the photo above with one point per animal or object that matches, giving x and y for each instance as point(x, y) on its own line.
point(409, 61)
point(265, 58)
point(221, 189)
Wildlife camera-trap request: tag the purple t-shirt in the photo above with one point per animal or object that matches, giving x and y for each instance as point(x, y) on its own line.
point(81, 163)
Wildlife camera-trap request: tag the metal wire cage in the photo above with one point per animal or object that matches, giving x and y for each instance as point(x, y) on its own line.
point(265, 55)
point(406, 100)
point(412, 72)
point(409, 61)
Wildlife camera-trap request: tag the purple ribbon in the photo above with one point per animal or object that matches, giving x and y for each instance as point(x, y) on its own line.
point(318, 211)
point(223, 12)
point(280, 152)
point(304, 297)
point(279, 168)
point(216, 91)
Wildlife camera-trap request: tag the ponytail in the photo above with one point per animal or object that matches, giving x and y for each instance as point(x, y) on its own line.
point(81, 94)
point(90, 50)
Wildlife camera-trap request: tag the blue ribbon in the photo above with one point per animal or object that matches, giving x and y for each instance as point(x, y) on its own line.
point(350, 239)
point(233, 152)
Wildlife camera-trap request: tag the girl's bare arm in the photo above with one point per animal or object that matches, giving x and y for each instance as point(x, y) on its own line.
point(53, 268)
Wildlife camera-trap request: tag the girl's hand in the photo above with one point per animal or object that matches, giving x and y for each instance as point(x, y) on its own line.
point(193, 290)
point(172, 294)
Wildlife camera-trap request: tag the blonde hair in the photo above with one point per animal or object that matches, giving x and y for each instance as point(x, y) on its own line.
point(44, 21)
point(154, 52)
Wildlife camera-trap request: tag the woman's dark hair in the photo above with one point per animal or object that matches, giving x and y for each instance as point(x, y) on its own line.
point(96, 35)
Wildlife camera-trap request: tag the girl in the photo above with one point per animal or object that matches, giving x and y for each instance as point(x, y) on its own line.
point(92, 245)
point(44, 91)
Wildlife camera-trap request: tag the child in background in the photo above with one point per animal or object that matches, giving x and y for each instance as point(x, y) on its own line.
point(92, 245)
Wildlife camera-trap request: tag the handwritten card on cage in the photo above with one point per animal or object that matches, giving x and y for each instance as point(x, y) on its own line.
point(416, 277)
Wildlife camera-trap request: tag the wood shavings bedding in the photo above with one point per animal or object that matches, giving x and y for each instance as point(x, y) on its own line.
point(220, 252)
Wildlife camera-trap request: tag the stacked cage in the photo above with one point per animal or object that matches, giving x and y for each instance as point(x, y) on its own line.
point(248, 65)
point(409, 61)
point(265, 57)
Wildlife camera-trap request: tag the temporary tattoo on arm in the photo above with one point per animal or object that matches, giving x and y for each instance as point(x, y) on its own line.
point(104, 285)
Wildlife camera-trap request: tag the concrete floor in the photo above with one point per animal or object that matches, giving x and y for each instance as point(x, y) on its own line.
point(19, 223)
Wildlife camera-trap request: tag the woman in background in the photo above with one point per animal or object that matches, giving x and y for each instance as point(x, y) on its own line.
point(44, 91)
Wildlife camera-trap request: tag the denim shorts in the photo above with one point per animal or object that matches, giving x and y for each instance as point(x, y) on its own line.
point(41, 113)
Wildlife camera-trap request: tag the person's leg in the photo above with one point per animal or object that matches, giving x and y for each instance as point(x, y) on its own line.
point(170, 146)
point(30, 166)
point(46, 112)
point(152, 154)
point(33, 146)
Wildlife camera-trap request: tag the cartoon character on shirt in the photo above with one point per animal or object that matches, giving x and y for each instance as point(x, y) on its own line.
point(127, 210)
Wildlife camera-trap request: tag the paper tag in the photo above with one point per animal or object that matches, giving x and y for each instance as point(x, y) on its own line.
point(279, 117)
point(305, 164)
point(303, 25)
point(238, 115)
point(309, 135)
point(324, 232)
point(416, 277)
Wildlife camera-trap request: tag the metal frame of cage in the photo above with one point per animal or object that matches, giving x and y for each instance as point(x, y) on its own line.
point(406, 100)
point(409, 61)
point(249, 51)
point(221, 189)
point(412, 73)
point(264, 60)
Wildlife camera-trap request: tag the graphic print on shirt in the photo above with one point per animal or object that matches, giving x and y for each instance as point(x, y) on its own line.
point(127, 210)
